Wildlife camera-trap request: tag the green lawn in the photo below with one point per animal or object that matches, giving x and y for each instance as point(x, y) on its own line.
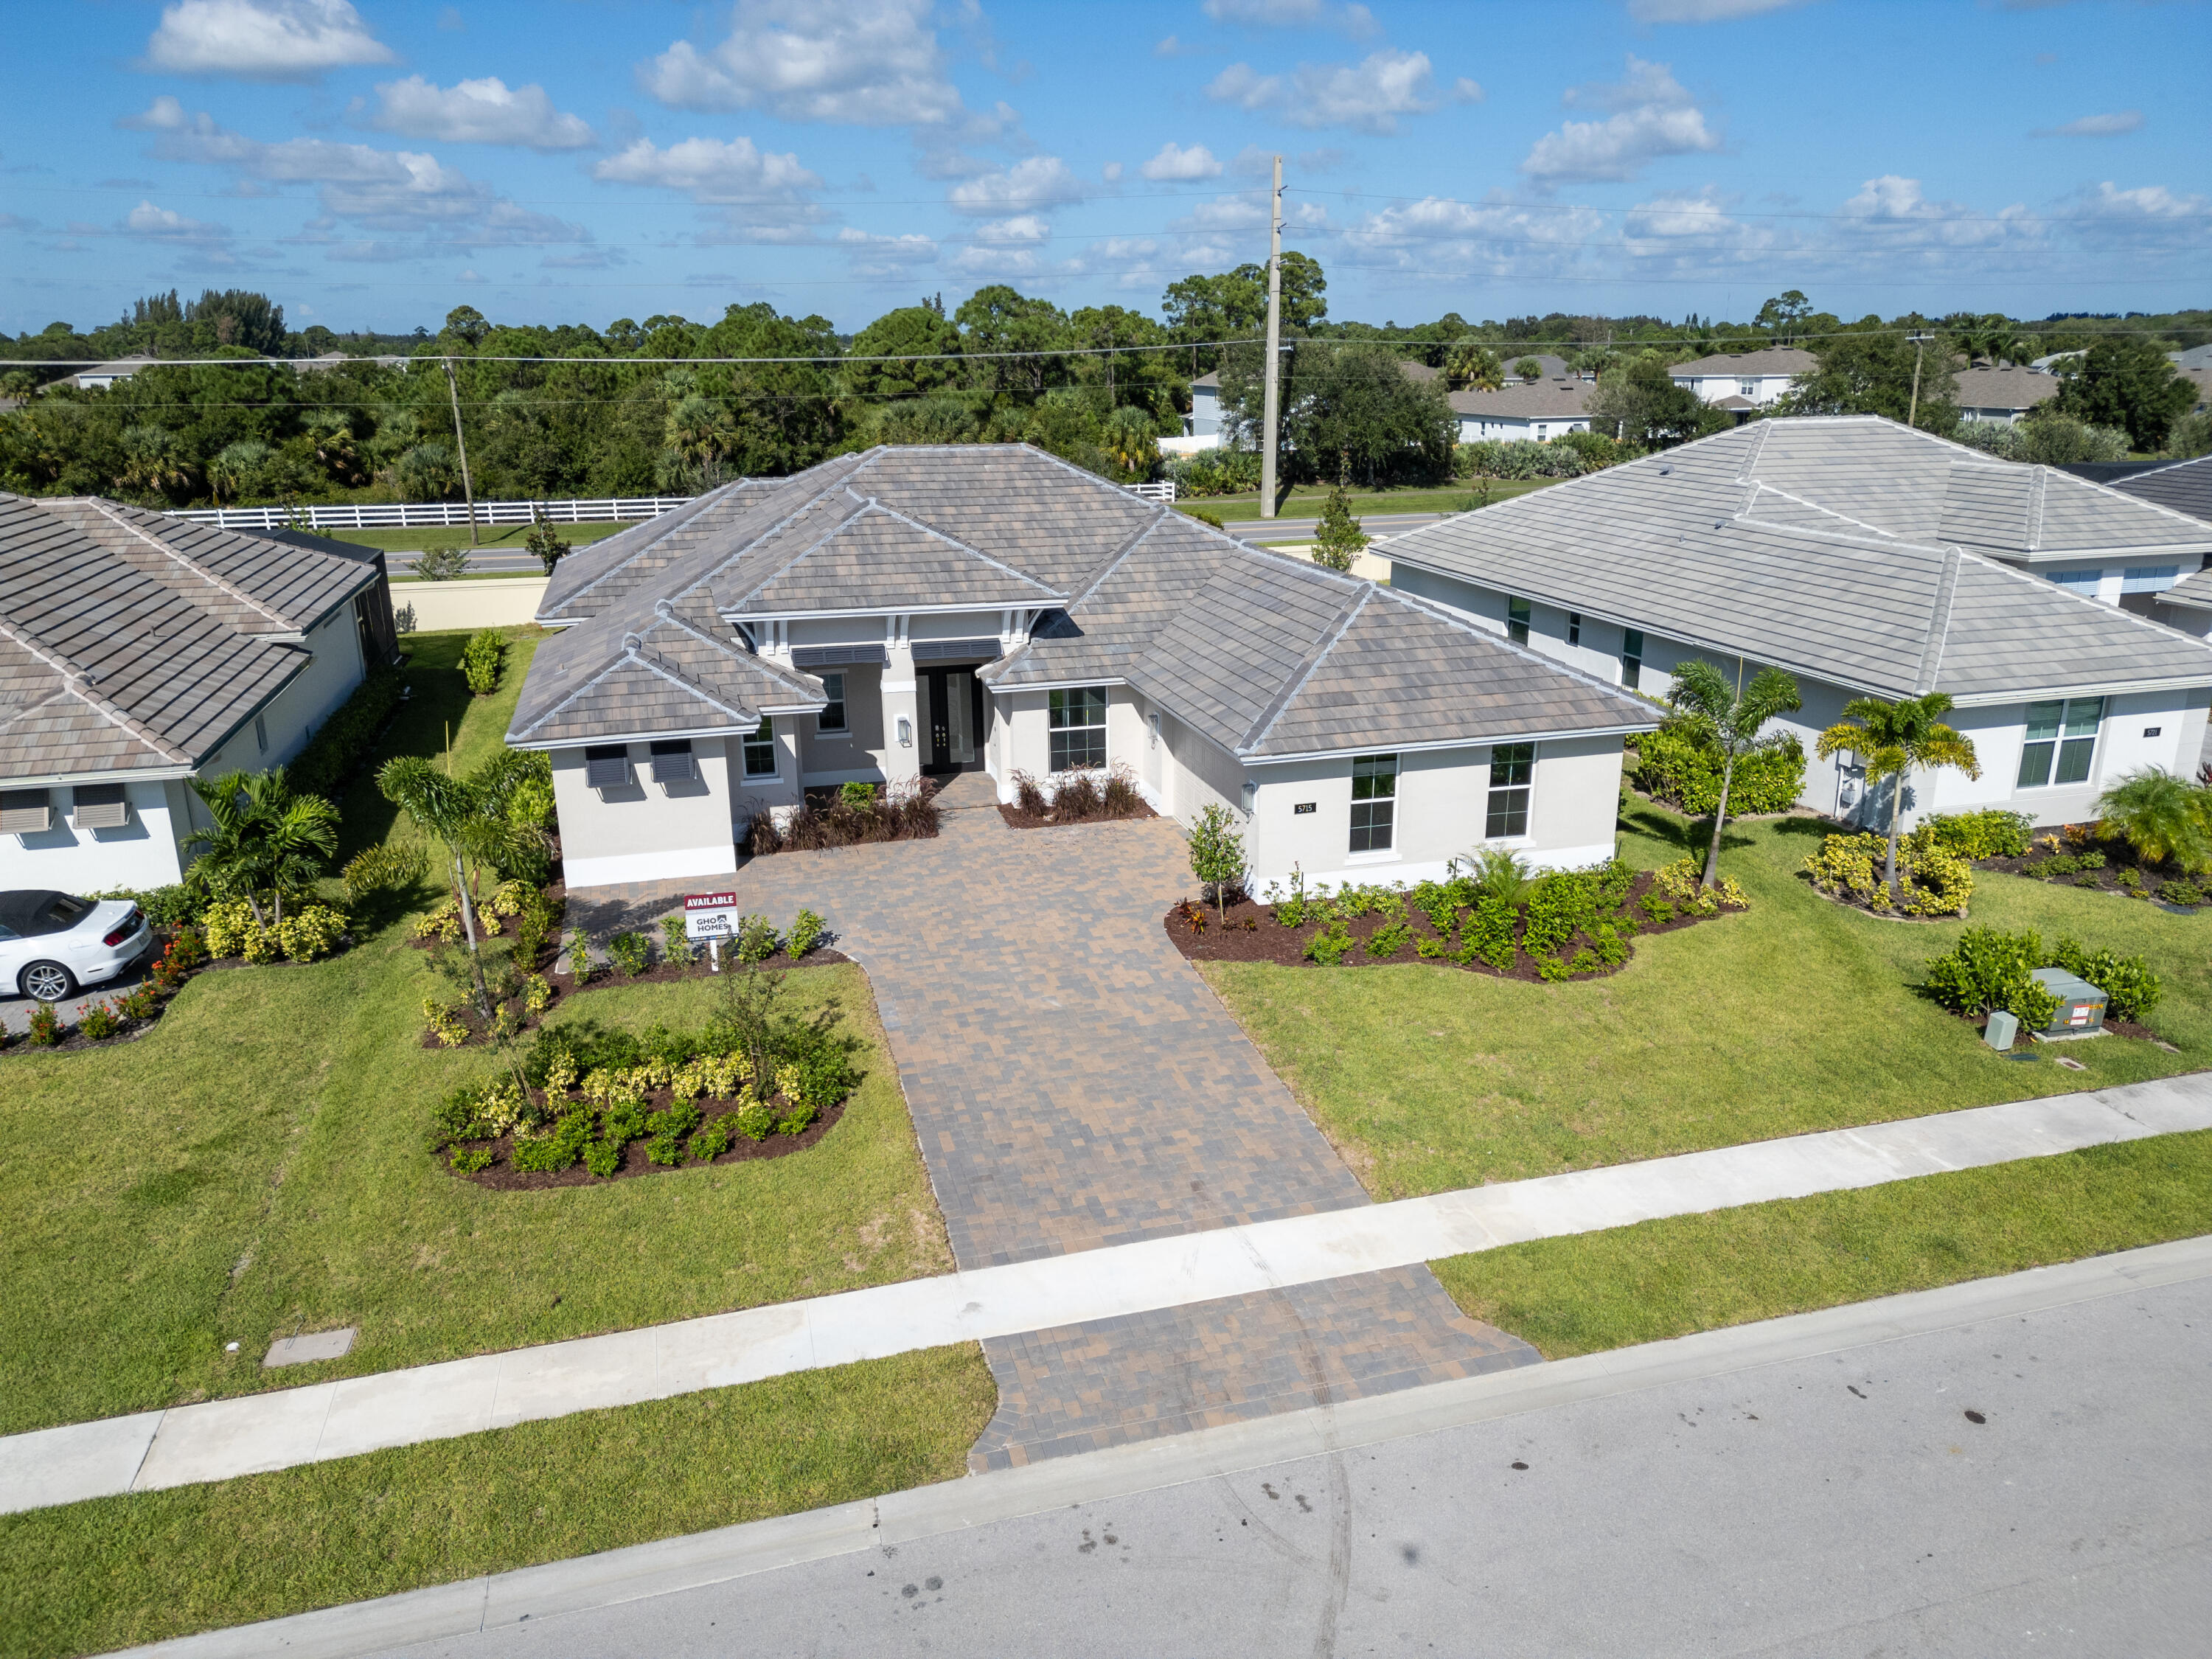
point(507, 536)
point(254, 1165)
point(1797, 1016)
point(1307, 502)
point(92, 1577)
point(1696, 1273)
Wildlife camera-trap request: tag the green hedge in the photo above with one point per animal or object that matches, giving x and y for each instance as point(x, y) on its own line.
point(1671, 768)
point(336, 752)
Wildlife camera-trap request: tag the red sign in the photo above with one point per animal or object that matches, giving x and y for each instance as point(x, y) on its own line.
point(710, 901)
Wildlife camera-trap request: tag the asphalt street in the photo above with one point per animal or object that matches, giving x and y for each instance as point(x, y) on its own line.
point(1291, 529)
point(2032, 1484)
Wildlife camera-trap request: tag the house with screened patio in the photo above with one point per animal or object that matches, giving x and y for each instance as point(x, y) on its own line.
point(915, 613)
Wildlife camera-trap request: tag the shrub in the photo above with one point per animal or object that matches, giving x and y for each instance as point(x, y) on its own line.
point(1933, 880)
point(99, 1022)
point(2131, 990)
point(344, 744)
point(1560, 905)
point(537, 994)
point(2182, 892)
point(138, 1003)
point(45, 1026)
point(757, 940)
point(384, 866)
point(545, 1154)
point(579, 957)
point(860, 796)
point(187, 951)
point(2059, 863)
point(225, 926)
point(1487, 934)
point(469, 1160)
point(1990, 970)
point(172, 905)
point(711, 1141)
point(1029, 797)
point(442, 922)
point(2093, 860)
point(1994, 833)
point(1077, 798)
point(1331, 945)
point(604, 1158)
point(1671, 767)
point(1389, 939)
point(676, 942)
point(630, 952)
point(482, 659)
point(1521, 458)
point(1498, 872)
point(311, 931)
point(807, 929)
point(1117, 796)
point(443, 1020)
point(753, 1120)
point(1217, 857)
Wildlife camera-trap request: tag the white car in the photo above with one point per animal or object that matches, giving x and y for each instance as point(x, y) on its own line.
point(51, 944)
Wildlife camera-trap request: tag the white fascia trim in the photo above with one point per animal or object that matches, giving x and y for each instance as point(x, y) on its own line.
point(2186, 601)
point(615, 869)
point(737, 618)
point(635, 737)
point(1383, 747)
point(2053, 555)
point(1061, 686)
point(63, 780)
point(2094, 688)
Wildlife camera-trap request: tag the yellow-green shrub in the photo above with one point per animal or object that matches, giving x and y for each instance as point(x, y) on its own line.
point(1933, 880)
point(1679, 882)
point(310, 932)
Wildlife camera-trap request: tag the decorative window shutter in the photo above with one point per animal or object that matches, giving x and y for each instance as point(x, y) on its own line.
point(102, 806)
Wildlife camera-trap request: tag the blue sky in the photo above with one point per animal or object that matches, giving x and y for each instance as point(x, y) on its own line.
point(374, 165)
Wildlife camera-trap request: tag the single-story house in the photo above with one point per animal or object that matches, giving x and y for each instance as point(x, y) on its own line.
point(918, 611)
point(1868, 560)
point(2187, 605)
point(1526, 411)
point(2180, 486)
point(139, 650)
point(2001, 395)
point(1745, 381)
point(107, 374)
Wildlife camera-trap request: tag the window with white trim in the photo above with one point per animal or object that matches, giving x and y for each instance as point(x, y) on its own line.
point(832, 717)
point(1516, 619)
point(1373, 802)
point(1574, 627)
point(2061, 742)
point(1076, 717)
point(1746, 388)
point(1512, 775)
point(2150, 578)
point(760, 749)
point(1631, 657)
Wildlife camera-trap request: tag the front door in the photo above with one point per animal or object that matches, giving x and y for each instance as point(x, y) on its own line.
point(939, 758)
point(952, 720)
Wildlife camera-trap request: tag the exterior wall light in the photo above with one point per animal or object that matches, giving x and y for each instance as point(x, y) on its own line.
point(905, 733)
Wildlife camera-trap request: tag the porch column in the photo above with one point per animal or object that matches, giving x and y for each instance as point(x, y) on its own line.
point(902, 761)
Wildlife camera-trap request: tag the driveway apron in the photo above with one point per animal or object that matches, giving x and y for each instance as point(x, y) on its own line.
point(1074, 1083)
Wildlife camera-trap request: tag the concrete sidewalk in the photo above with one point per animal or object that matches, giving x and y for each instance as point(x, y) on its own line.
point(225, 1438)
point(541, 1594)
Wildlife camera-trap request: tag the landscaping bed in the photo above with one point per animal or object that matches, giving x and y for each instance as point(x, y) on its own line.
point(502, 1175)
point(850, 815)
point(1569, 925)
point(2075, 857)
point(1079, 799)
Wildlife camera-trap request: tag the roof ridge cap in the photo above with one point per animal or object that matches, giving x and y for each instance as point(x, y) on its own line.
point(1286, 694)
point(2040, 483)
point(1937, 638)
point(192, 564)
point(1114, 560)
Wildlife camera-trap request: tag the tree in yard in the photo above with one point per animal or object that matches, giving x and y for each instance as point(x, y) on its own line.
point(1530, 369)
point(1346, 405)
point(1783, 316)
point(1891, 739)
point(1216, 854)
point(544, 541)
point(1869, 371)
point(2163, 816)
point(1729, 720)
point(1471, 365)
point(1639, 404)
point(1339, 539)
point(262, 838)
point(2126, 383)
point(1130, 439)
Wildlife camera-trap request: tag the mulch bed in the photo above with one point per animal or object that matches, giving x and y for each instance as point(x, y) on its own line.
point(1017, 819)
point(502, 1176)
point(1251, 933)
point(662, 972)
point(2123, 1027)
point(2106, 880)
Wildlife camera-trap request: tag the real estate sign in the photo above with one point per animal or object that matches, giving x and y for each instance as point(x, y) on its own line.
point(710, 915)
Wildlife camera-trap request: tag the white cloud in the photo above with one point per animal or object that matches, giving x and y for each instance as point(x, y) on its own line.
point(1495, 237)
point(1370, 95)
point(2094, 126)
point(1111, 173)
point(2150, 217)
point(486, 111)
point(1175, 162)
point(1703, 11)
point(1039, 184)
point(262, 40)
point(711, 170)
point(162, 224)
point(1892, 216)
point(861, 62)
point(871, 255)
point(1652, 116)
point(1355, 20)
point(1023, 230)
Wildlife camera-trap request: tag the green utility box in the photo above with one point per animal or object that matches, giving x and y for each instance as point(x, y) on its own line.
point(2080, 1004)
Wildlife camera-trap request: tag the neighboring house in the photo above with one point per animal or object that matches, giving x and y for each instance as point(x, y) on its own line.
point(107, 374)
point(138, 650)
point(2197, 358)
point(1204, 420)
point(922, 611)
point(1743, 381)
point(1867, 559)
point(2001, 395)
point(1536, 410)
point(2177, 486)
point(2187, 605)
point(2055, 361)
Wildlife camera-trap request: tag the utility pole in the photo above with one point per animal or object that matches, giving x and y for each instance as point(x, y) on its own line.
point(1919, 345)
point(1273, 421)
point(468, 489)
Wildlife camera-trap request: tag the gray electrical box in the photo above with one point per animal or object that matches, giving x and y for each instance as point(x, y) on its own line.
point(2080, 1004)
point(2003, 1027)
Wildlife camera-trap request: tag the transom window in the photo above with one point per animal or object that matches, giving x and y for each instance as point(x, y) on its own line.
point(760, 749)
point(1077, 726)
point(1516, 621)
point(1373, 802)
point(832, 717)
point(1512, 774)
point(2062, 741)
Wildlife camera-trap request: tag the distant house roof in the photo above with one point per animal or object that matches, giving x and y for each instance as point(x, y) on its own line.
point(133, 641)
point(105, 374)
point(2194, 591)
point(2194, 357)
point(2048, 365)
point(2015, 389)
point(2179, 486)
point(1267, 655)
point(1768, 360)
point(1850, 548)
point(1536, 400)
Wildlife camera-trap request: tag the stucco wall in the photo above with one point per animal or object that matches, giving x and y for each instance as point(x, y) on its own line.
point(496, 602)
point(648, 831)
point(857, 755)
point(142, 853)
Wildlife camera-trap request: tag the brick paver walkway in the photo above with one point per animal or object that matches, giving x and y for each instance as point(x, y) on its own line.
point(1074, 1083)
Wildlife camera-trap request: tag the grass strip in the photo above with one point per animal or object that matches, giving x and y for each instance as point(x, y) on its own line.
point(88, 1578)
point(1699, 1272)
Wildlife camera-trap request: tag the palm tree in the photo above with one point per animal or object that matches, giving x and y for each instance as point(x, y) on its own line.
point(1729, 721)
point(237, 470)
point(2163, 816)
point(1891, 739)
point(262, 838)
point(153, 463)
point(1471, 365)
point(1130, 439)
point(699, 435)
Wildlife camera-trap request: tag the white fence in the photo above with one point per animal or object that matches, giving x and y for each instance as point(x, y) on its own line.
point(1164, 490)
point(406, 515)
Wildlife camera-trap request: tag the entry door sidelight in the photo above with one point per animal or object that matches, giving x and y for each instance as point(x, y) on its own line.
point(940, 723)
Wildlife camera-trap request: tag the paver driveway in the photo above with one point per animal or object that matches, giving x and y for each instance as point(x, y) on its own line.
point(1074, 1083)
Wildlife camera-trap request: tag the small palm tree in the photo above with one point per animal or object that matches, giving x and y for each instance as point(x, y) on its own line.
point(2163, 816)
point(1130, 439)
point(699, 435)
point(1471, 365)
point(237, 470)
point(153, 463)
point(1729, 721)
point(262, 838)
point(1892, 739)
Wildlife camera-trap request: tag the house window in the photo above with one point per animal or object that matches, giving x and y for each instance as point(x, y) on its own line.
point(2083, 582)
point(1512, 771)
point(2150, 578)
point(1574, 627)
point(261, 733)
point(1631, 657)
point(1078, 723)
point(672, 761)
point(25, 812)
point(606, 766)
point(1746, 388)
point(2062, 741)
point(1374, 801)
point(760, 749)
point(832, 717)
point(1516, 621)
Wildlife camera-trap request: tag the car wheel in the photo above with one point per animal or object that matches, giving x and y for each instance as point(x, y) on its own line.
point(49, 982)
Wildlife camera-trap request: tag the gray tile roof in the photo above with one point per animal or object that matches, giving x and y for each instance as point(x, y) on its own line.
point(1532, 399)
point(2195, 591)
point(1867, 572)
point(2004, 388)
point(1768, 360)
point(134, 641)
point(2184, 487)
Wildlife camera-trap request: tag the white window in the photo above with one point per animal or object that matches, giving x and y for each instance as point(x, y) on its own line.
point(1746, 388)
point(2150, 578)
point(832, 717)
point(2083, 582)
point(1512, 774)
point(760, 749)
point(2062, 741)
point(1373, 802)
point(1077, 719)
